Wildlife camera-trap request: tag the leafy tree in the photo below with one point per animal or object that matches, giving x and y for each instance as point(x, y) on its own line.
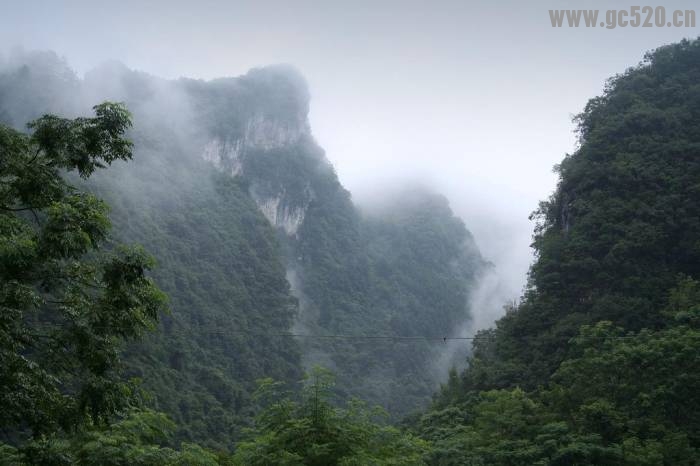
point(639, 391)
point(622, 223)
point(311, 431)
point(135, 440)
point(405, 270)
point(598, 362)
point(621, 398)
point(66, 307)
point(509, 427)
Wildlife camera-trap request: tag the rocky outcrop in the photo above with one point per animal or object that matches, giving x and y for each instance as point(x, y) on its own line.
point(261, 133)
point(281, 216)
point(224, 155)
point(268, 112)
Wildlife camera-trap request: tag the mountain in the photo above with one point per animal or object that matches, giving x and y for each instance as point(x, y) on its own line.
point(598, 362)
point(404, 271)
point(622, 225)
point(255, 239)
point(271, 268)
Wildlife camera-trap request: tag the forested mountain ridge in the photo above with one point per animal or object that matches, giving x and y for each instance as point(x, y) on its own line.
point(622, 225)
point(218, 258)
point(235, 200)
point(598, 364)
point(69, 306)
point(405, 271)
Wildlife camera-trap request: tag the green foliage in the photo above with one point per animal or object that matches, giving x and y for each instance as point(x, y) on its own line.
point(66, 309)
point(605, 340)
point(509, 427)
point(637, 390)
point(623, 222)
point(405, 270)
point(627, 398)
point(597, 365)
point(218, 258)
point(220, 264)
point(9, 455)
point(311, 431)
point(134, 441)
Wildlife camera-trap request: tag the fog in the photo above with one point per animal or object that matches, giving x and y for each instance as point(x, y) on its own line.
point(471, 99)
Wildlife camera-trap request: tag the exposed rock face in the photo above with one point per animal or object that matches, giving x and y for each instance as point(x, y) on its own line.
point(267, 133)
point(289, 218)
point(272, 115)
point(405, 270)
point(225, 156)
point(262, 133)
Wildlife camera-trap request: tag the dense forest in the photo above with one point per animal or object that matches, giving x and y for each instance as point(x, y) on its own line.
point(158, 256)
point(598, 363)
point(235, 201)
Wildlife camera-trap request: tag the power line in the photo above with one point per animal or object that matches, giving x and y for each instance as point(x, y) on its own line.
point(340, 336)
point(379, 337)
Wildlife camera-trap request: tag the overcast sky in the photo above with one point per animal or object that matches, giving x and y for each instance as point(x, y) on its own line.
point(473, 98)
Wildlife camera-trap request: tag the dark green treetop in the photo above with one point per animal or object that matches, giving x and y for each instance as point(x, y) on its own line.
point(65, 306)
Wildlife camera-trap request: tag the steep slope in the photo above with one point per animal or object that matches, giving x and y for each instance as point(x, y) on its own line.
point(605, 340)
point(404, 270)
point(623, 222)
point(236, 200)
point(218, 258)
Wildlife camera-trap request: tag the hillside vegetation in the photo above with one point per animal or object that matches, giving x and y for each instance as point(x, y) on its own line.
point(252, 239)
point(598, 363)
point(230, 194)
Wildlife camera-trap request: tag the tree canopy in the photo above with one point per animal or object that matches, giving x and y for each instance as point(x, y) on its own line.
point(67, 303)
point(598, 362)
